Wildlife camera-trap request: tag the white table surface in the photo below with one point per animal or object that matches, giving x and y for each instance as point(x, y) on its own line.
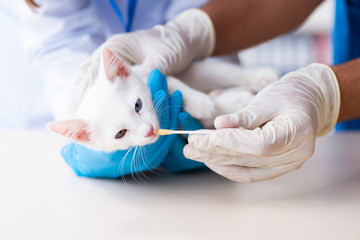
point(41, 198)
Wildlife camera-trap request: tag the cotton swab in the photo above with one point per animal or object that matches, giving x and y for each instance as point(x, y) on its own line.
point(168, 132)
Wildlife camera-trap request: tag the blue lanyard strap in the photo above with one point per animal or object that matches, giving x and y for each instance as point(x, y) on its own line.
point(130, 13)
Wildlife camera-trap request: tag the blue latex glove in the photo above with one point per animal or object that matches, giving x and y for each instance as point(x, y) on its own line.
point(91, 163)
point(175, 160)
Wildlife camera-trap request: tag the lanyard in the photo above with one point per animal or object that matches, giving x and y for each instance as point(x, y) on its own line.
point(130, 13)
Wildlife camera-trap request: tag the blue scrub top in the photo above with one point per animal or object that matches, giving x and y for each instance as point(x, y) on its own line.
point(347, 42)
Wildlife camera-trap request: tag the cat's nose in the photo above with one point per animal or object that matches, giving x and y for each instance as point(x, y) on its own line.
point(149, 132)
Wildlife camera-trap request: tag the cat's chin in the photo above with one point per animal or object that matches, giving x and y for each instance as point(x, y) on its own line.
point(151, 139)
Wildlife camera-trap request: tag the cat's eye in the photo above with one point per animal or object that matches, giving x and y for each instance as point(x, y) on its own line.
point(120, 134)
point(138, 105)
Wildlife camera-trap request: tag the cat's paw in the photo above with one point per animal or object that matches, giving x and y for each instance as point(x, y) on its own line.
point(201, 107)
point(215, 93)
point(264, 77)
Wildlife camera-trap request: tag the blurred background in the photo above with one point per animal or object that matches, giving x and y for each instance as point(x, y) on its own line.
point(22, 105)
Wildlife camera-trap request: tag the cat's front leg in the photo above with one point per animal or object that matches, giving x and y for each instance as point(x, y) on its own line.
point(197, 104)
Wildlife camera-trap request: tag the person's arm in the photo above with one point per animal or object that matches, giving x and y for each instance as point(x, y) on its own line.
point(257, 21)
point(348, 76)
point(244, 23)
point(220, 27)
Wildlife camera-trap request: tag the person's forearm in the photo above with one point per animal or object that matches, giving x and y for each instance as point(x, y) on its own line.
point(243, 23)
point(348, 76)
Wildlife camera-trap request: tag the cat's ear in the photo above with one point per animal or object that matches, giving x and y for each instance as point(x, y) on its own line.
point(113, 66)
point(76, 129)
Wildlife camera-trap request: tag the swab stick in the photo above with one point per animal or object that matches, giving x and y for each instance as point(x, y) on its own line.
point(168, 132)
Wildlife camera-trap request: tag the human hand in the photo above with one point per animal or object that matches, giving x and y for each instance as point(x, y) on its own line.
point(276, 132)
point(169, 48)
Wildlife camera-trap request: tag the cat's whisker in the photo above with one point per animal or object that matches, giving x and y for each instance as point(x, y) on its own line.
point(164, 108)
point(121, 164)
point(140, 158)
point(137, 165)
point(160, 112)
point(159, 102)
point(160, 115)
point(139, 174)
point(133, 166)
point(144, 155)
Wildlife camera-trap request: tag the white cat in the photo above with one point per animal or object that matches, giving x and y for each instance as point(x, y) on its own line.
point(112, 108)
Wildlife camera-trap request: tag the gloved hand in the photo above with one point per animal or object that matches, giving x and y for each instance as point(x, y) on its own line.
point(169, 48)
point(276, 132)
point(90, 163)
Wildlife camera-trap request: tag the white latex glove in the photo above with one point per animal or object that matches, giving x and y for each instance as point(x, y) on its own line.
point(276, 132)
point(170, 48)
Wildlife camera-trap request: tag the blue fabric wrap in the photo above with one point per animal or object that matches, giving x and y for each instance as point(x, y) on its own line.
point(346, 39)
point(166, 151)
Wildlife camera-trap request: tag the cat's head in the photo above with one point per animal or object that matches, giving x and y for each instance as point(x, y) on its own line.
point(115, 113)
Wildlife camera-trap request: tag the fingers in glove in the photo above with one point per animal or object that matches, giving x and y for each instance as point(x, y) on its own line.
point(257, 113)
point(245, 174)
point(128, 48)
point(176, 105)
point(161, 108)
point(157, 81)
point(243, 161)
point(275, 138)
point(187, 122)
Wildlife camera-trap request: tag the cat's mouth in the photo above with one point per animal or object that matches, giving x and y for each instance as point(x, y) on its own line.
point(149, 140)
point(153, 137)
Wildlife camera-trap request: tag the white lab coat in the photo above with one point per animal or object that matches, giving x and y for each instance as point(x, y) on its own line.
point(59, 38)
point(22, 104)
